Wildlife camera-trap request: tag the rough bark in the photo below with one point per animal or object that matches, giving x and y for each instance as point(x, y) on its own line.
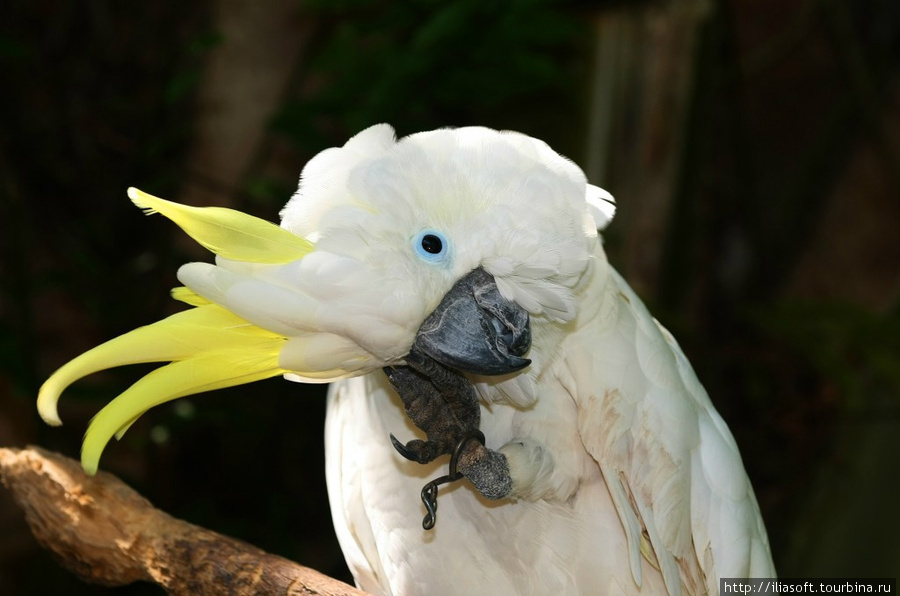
point(106, 533)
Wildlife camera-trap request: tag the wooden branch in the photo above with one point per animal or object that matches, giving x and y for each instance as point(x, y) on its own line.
point(106, 533)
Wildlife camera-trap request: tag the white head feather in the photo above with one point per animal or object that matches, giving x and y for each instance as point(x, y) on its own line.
point(501, 200)
point(505, 201)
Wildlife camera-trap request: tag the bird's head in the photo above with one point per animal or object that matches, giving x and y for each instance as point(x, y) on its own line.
point(454, 240)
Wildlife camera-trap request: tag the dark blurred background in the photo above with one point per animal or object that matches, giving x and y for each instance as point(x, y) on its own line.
point(752, 146)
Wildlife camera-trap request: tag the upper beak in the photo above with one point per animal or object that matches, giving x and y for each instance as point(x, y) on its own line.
point(475, 329)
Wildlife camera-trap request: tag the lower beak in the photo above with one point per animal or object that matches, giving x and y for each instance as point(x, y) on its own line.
point(474, 329)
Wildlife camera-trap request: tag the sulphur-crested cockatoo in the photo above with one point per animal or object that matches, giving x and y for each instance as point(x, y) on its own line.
point(454, 286)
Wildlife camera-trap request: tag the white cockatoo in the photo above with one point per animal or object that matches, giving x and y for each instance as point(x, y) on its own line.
point(454, 286)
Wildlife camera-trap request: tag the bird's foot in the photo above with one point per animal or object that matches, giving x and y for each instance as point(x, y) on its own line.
point(442, 403)
point(487, 470)
point(439, 401)
point(430, 490)
point(417, 450)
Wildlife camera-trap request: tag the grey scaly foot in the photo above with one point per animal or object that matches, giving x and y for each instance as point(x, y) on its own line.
point(442, 403)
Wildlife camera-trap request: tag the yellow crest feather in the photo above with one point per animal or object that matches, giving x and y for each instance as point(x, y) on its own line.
point(208, 346)
point(189, 296)
point(228, 233)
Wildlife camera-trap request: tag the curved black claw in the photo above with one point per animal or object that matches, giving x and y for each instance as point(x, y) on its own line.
point(417, 450)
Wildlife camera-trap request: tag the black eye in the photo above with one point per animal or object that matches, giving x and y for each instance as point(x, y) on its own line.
point(432, 244)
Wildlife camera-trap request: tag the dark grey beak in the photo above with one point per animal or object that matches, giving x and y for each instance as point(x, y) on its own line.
point(475, 329)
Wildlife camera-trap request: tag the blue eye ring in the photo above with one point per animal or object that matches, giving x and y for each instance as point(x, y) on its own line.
point(431, 246)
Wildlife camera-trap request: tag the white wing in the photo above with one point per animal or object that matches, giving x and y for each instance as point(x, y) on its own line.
point(672, 465)
point(345, 465)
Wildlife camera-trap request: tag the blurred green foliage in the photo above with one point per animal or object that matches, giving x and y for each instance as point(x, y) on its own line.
point(855, 349)
point(424, 63)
